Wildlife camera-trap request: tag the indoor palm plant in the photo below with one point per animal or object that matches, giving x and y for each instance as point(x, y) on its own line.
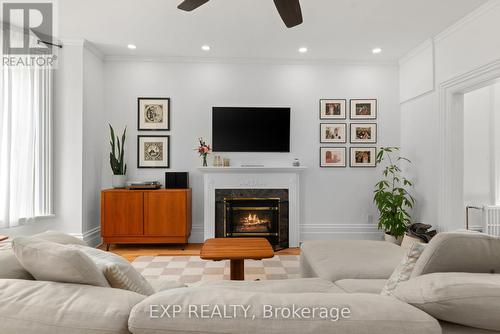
point(116, 158)
point(391, 195)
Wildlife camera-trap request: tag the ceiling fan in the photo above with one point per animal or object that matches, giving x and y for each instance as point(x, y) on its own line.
point(289, 10)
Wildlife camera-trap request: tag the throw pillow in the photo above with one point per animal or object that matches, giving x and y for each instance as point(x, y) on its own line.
point(403, 271)
point(119, 272)
point(50, 261)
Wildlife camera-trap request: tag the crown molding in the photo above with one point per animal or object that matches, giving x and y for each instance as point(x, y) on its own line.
point(475, 14)
point(231, 60)
point(429, 43)
point(93, 49)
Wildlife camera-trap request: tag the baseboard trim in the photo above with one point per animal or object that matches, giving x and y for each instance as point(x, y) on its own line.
point(318, 232)
point(92, 237)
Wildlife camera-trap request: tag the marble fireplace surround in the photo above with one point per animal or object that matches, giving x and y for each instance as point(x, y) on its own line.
point(253, 178)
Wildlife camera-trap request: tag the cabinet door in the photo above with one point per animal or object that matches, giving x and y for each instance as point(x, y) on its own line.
point(122, 213)
point(165, 213)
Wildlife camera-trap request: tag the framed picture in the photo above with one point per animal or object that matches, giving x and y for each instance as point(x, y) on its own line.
point(363, 157)
point(332, 109)
point(332, 157)
point(364, 109)
point(333, 132)
point(153, 151)
point(363, 133)
point(153, 114)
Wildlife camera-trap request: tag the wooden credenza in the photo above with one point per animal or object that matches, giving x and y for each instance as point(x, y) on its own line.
point(145, 216)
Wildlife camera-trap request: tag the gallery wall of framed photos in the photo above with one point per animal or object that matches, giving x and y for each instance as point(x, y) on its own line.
point(153, 114)
point(359, 130)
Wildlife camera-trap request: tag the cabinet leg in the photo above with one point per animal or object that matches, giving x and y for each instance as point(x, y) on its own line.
point(237, 270)
point(107, 247)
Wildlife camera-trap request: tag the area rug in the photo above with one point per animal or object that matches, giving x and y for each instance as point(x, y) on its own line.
point(190, 269)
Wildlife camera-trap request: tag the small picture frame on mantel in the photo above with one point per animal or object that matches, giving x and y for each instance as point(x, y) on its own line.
point(153, 151)
point(153, 114)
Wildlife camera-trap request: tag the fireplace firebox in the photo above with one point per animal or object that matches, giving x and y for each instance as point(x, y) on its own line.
point(253, 213)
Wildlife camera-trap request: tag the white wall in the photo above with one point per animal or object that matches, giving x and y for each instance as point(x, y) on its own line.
point(336, 202)
point(467, 45)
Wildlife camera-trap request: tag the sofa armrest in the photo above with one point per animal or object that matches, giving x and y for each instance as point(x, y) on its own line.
point(193, 310)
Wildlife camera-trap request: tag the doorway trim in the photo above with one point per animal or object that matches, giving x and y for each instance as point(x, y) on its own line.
point(451, 112)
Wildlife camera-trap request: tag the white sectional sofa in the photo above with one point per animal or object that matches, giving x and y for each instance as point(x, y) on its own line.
point(28, 306)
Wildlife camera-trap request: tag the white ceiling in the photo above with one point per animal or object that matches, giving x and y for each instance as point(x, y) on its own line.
point(332, 29)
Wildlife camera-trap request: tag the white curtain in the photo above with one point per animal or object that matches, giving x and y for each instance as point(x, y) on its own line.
point(25, 144)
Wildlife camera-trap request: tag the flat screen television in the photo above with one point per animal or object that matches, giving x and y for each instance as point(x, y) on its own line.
point(250, 129)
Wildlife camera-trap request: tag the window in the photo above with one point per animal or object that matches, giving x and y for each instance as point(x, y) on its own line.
point(25, 144)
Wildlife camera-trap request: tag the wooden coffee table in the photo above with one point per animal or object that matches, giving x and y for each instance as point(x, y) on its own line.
point(236, 250)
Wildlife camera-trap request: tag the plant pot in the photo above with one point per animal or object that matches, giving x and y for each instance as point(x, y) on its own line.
point(119, 181)
point(392, 239)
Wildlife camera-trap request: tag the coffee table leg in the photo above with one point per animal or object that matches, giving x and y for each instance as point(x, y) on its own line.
point(237, 270)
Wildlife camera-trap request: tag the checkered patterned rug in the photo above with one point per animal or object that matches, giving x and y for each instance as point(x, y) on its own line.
point(190, 269)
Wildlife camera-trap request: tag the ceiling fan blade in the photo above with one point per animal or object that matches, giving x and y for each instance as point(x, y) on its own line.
point(189, 5)
point(290, 12)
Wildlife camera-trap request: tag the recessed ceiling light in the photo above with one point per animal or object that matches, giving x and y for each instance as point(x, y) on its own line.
point(303, 49)
point(131, 46)
point(205, 48)
point(376, 51)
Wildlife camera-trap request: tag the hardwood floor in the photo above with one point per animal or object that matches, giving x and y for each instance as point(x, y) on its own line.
point(131, 252)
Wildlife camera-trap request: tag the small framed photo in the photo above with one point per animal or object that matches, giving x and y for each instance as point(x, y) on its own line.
point(364, 109)
point(363, 157)
point(333, 132)
point(332, 157)
point(153, 151)
point(153, 114)
point(364, 133)
point(332, 109)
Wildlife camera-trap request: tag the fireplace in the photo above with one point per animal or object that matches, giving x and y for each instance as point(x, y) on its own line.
point(253, 213)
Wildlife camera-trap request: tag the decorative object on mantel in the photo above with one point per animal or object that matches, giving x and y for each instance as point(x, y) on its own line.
point(153, 151)
point(392, 197)
point(296, 163)
point(116, 158)
point(153, 114)
point(203, 150)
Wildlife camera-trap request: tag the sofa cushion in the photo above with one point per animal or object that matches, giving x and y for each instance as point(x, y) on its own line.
point(119, 272)
point(361, 285)
point(403, 271)
point(10, 266)
point(58, 308)
point(464, 298)
point(460, 252)
point(341, 259)
point(50, 261)
point(303, 285)
point(369, 313)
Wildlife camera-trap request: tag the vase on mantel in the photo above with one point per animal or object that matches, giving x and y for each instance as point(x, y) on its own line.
point(205, 164)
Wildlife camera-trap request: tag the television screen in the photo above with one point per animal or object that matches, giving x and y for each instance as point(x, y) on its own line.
point(250, 129)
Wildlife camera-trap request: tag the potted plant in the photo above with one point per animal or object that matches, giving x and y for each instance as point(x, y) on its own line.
point(392, 197)
point(116, 157)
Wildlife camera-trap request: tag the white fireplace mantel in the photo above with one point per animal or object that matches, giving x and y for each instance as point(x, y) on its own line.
point(269, 177)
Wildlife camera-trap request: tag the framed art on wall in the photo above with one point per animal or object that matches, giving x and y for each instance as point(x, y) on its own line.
point(363, 157)
point(153, 114)
point(364, 133)
point(332, 157)
point(333, 132)
point(153, 151)
point(332, 109)
point(363, 109)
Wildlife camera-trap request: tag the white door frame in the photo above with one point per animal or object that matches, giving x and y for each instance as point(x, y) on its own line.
point(451, 111)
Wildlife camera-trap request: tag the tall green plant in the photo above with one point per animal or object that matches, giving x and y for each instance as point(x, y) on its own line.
point(391, 194)
point(117, 153)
